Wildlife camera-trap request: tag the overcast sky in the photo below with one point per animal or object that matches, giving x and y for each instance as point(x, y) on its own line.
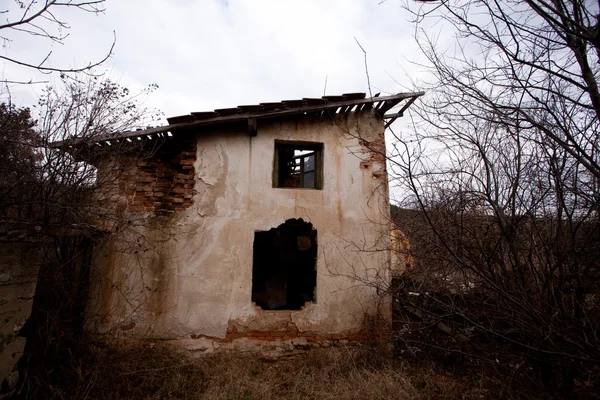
point(207, 54)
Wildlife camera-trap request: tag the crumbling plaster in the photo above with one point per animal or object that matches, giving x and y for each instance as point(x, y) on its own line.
point(193, 276)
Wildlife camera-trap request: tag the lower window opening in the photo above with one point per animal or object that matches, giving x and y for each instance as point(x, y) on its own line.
point(284, 272)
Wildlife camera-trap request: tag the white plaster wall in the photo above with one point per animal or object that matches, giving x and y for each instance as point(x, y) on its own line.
point(191, 274)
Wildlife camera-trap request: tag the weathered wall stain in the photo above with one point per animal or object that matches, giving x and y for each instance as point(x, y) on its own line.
point(204, 267)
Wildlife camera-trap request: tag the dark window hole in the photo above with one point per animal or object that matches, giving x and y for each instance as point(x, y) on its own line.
point(298, 165)
point(284, 272)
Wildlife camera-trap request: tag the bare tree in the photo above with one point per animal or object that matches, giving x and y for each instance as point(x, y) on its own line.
point(54, 193)
point(55, 185)
point(504, 171)
point(531, 64)
point(42, 20)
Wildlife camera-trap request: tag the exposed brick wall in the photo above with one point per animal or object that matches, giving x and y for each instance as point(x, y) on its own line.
point(160, 180)
point(376, 148)
point(374, 154)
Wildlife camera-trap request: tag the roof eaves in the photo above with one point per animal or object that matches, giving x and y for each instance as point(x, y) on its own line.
point(329, 104)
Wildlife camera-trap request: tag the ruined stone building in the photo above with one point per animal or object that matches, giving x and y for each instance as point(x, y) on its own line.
point(238, 226)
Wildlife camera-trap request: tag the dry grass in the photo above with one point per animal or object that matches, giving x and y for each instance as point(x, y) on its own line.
point(337, 373)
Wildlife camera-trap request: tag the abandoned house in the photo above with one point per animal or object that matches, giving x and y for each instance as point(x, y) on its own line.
point(244, 225)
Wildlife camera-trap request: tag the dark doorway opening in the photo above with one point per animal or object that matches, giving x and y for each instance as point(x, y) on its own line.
point(284, 272)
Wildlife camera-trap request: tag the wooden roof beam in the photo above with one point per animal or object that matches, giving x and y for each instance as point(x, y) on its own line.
point(237, 116)
point(391, 118)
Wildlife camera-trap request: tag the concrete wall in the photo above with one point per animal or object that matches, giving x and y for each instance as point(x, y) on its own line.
point(43, 290)
point(188, 276)
point(20, 259)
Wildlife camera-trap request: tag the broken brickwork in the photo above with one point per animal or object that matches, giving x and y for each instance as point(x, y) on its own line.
point(376, 147)
point(374, 155)
point(155, 180)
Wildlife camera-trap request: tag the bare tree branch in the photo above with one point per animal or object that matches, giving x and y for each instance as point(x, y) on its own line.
point(38, 19)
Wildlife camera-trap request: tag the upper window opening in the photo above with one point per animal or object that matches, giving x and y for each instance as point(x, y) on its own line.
point(298, 165)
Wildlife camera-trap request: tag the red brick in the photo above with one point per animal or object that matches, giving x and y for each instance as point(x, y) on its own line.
point(146, 179)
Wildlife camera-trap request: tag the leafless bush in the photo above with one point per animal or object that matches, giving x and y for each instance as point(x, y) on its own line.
point(502, 171)
point(507, 248)
point(44, 184)
point(52, 192)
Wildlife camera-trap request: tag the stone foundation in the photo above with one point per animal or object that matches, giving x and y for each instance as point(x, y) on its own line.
point(263, 344)
point(281, 337)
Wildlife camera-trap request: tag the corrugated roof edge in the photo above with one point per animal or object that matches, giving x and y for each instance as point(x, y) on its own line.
point(339, 104)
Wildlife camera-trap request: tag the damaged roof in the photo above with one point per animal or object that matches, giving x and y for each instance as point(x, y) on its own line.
point(326, 105)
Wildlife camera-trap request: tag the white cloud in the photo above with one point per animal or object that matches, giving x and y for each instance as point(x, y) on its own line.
point(213, 54)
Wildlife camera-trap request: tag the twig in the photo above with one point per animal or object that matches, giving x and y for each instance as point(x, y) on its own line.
point(366, 66)
point(30, 82)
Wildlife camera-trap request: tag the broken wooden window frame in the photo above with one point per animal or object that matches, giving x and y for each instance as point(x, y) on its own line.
point(299, 146)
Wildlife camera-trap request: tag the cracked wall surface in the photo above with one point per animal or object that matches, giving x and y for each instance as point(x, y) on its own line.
point(187, 277)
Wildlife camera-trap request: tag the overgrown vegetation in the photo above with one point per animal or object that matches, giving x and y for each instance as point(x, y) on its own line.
point(502, 175)
point(502, 172)
point(51, 194)
point(46, 185)
point(156, 372)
